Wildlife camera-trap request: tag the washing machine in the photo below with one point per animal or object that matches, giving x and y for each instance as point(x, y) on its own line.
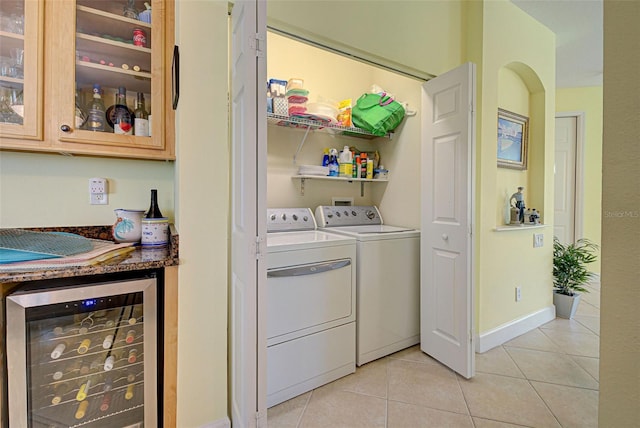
point(311, 304)
point(387, 279)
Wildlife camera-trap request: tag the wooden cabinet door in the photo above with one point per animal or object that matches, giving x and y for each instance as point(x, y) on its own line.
point(21, 77)
point(91, 42)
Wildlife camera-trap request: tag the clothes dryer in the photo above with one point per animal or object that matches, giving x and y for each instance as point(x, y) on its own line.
point(311, 304)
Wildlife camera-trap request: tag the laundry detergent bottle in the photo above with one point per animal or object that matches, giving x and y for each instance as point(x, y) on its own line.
point(345, 163)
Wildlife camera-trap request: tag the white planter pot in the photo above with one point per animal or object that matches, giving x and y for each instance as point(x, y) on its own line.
point(566, 306)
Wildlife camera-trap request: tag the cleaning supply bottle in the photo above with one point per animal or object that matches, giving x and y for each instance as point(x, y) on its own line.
point(345, 163)
point(355, 163)
point(325, 157)
point(333, 163)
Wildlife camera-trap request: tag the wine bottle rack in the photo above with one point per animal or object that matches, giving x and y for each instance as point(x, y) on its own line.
point(100, 372)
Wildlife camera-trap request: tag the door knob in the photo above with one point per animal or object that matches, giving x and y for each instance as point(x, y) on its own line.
point(445, 237)
point(65, 128)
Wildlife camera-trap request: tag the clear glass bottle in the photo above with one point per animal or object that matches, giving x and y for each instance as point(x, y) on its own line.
point(97, 119)
point(141, 118)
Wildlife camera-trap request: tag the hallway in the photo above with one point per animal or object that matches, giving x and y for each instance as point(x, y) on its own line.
point(547, 377)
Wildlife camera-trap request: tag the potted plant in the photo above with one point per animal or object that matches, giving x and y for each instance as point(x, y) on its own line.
point(570, 274)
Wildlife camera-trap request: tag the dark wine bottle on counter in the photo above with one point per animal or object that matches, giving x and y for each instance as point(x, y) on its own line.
point(154, 210)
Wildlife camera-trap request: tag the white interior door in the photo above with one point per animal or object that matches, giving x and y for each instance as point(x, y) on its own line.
point(565, 179)
point(248, 220)
point(446, 283)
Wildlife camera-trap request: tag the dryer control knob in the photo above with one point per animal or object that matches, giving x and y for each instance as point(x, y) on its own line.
point(284, 216)
point(295, 217)
point(370, 214)
point(273, 217)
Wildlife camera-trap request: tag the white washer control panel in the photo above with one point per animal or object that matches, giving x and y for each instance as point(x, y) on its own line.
point(290, 219)
point(331, 215)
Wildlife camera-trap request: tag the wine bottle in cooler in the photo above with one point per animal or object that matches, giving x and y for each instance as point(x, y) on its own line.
point(59, 391)
point(122, 118)
point(59, 349)
point(140, 117)
point(81, 411)
point(84, 346)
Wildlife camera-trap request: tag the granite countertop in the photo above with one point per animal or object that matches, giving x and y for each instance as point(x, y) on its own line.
point(141, 258)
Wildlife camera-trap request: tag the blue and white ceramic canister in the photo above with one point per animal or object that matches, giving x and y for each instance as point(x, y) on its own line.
point(155, 231)
point(127, 227)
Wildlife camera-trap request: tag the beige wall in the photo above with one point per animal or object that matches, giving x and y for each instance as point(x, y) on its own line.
point(589, 101)
point(505, 260)
point(202, 183)
point(619, 322)
point(53, 190)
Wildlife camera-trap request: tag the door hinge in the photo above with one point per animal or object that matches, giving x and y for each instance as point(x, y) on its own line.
point(259, 242)
point(260, 45)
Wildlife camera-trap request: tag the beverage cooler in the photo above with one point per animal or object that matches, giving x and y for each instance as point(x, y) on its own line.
point(84, 354)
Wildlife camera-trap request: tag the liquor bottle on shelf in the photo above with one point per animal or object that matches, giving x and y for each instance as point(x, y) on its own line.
point(59, 391)
point(120, 114)
point(141, 118)
point(97, 118)
point(154, 210)
point(81, 115)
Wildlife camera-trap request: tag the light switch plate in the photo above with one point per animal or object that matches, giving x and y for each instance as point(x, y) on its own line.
point(538, 240)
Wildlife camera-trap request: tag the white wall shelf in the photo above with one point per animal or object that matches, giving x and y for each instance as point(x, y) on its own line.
point(525, 226)
point(303, 178)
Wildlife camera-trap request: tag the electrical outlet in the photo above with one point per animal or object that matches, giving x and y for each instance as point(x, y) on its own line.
point(98, 193)
point(518, 294)
point(538, 240)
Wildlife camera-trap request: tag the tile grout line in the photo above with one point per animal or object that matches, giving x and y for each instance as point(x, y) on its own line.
point(545, 403)
point(304, 409)
point(464, 397)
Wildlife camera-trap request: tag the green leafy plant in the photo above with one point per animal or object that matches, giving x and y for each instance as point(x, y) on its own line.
point(570, 265)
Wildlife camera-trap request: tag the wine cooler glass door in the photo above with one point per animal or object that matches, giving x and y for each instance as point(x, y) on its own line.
point(83, 356)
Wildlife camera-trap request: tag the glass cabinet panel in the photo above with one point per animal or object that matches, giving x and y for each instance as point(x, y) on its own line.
point(20, 68)
point(117, 61)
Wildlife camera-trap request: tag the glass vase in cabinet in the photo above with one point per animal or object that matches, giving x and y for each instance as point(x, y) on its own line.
point(21, 79)
point(113, 57)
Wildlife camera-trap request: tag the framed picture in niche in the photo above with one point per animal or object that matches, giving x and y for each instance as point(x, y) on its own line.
point(513, 136)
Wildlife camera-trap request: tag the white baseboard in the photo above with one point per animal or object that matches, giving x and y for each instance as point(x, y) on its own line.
point(504, 333)
point(220, 423)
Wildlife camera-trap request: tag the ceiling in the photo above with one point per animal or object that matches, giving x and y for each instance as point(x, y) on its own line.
point(579, 44)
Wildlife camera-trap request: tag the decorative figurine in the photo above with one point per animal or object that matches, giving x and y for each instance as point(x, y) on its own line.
point(534, 217)
point(519, 197)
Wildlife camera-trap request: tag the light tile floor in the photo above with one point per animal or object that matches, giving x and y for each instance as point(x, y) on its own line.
point(547, 377)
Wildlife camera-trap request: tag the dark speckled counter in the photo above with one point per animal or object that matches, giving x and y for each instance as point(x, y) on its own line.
point(141, 258)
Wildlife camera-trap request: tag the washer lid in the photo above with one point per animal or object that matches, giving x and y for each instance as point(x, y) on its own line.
point(373, 228)
point(290, 241)
point(376, 232)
